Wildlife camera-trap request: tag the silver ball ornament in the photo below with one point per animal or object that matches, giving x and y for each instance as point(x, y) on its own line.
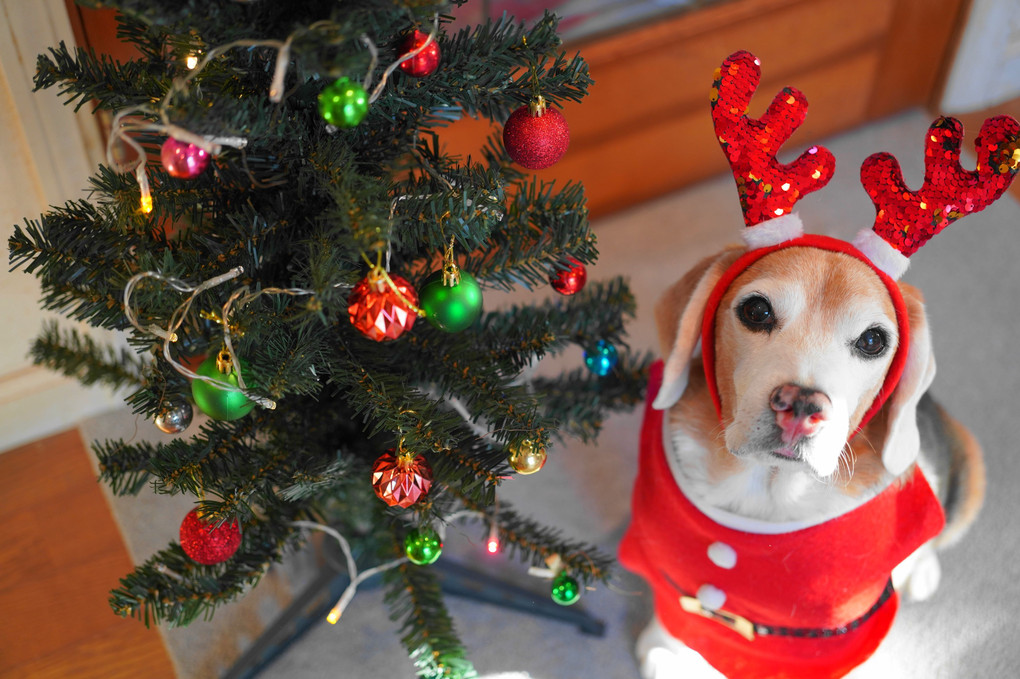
point(175, 416)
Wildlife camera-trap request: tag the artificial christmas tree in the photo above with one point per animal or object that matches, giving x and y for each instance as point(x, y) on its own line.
point(311, 192)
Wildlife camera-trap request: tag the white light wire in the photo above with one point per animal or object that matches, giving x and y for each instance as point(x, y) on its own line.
point(377, 92)
point(239, 297)
point(212, 144)
point(169, 334)
point(357, 577)
point(352, 567)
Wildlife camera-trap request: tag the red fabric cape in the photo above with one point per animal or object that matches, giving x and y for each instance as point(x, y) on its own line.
point(823, 576)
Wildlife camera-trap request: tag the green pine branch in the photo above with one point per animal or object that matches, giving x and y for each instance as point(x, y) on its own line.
point(580, 401)
point(82, 77)
point(480, 59)
point(79, 356)
point(429, 636)
point(484, 390)
point(533, 543)
point(171, 588)
point(545, 224)
point(512, 338)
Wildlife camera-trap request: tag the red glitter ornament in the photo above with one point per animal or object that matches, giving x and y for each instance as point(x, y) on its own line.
point(569, 281)
point(767, 188)
point(536, 137)
point(907, 219)
point(426, 61)
point(380, 312)
point(207, 543)
point(402, 479)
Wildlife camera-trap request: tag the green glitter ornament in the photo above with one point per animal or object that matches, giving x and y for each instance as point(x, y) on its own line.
point(565, 590)
point(422, 547)
point(344, 103)
point(217, 403)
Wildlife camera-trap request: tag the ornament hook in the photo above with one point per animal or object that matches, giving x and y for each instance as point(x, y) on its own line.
point(451, 272)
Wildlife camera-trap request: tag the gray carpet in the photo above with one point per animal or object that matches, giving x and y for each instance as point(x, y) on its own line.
point(968, 630)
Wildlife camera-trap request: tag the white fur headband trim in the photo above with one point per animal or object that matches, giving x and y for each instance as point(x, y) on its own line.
point(884, 256)
point(773, 231)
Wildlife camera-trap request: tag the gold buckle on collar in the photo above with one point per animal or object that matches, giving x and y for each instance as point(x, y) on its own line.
point(741, 626)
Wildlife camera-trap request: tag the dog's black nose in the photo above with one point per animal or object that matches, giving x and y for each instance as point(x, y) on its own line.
point(800, 411)
point(801, 400)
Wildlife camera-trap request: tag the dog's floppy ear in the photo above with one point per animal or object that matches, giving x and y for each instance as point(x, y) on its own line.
point(678, 315)
point(903, 440)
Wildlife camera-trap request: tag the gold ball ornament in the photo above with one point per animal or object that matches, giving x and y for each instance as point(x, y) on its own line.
point(526, 456)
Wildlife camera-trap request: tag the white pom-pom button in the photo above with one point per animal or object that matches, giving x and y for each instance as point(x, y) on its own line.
point(722, 555)
point(712, 598)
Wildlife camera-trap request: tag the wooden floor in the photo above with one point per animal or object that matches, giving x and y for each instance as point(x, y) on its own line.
point(60, 554)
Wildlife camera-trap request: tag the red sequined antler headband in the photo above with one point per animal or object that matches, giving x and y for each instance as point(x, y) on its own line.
point(768, 189)
point(905, 219)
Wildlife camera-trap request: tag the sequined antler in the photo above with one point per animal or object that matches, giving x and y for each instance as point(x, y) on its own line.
point(907, 219)
point(767, 188)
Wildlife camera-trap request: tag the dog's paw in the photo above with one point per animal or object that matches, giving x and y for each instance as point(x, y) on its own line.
point(663, 657)
point(919, 575)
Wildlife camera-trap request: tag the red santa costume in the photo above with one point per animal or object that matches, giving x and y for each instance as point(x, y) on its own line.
point(815, 602)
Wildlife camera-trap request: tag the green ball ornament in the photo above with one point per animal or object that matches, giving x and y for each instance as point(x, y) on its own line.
point(565, 590)
point(422, 547)
point(344, 103)
point(217, 403)
point(451, 307)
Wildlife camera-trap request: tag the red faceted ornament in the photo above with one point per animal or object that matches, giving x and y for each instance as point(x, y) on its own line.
point(536, 137)
point(569, 281)
point(401, 480)
point(207, 543)
point(426, 61)
point(183, 160)
point(380, 312)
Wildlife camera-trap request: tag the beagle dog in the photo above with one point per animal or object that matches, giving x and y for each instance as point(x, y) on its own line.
point(803, 340)
point(795, 478)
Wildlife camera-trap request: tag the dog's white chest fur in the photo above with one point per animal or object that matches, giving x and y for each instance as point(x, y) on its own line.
point(759, 498)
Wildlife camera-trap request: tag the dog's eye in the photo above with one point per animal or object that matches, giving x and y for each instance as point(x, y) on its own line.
point(871, 343)
point(755, 313)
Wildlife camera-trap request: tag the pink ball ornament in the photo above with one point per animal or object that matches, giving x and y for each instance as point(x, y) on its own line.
point(183, 160)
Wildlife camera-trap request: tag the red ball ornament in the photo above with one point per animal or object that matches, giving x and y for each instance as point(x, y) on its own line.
point(207, 543)
point(380, 312)
point(183, 160)
point(569, 281)
point(535, 136)
point(426, 61)
point(401, 480)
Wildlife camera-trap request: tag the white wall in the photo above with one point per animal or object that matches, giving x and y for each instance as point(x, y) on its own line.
point(47, 153)
point(986, 70)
